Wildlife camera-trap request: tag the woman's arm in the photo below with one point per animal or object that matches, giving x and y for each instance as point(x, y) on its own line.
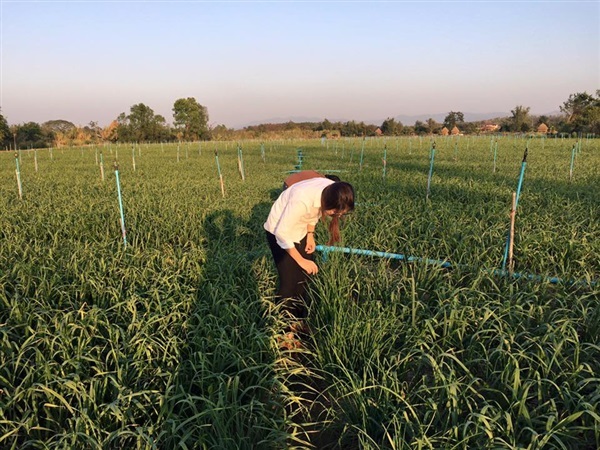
point(306, 264)
point(310, 239)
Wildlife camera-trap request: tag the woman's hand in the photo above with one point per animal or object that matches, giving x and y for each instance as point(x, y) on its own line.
point(310, 243)
point(309, 266)
point(305, 264)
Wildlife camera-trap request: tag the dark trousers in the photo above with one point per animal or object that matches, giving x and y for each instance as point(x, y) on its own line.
point(292, 279)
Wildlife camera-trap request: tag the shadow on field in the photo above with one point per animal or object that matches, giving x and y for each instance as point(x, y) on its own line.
point(225, 393)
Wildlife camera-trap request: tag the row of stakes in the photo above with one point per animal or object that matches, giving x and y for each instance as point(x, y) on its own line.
point(508, 254)
point(493, 149)
point(240, 162)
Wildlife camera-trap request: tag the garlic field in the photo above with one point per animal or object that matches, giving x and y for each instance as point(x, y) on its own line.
point(169, 339)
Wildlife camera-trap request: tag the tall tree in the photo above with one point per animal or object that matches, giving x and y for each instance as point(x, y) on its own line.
point(520, 118)
point(576, 105)
point(454, 119)
point(583, 112)
point(141, 124)
point(59, 125)
point(5, 134)
point(191, 119)
point(420, 127)
point(31, 135)
point(390, 127)
point(433, 126)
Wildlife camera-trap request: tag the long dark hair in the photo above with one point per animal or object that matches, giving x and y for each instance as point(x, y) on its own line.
point(339, 197)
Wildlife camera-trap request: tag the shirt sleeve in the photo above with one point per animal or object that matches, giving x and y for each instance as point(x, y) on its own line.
point(288, 224)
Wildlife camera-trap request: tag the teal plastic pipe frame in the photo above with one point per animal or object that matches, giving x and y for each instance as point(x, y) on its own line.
point(432, 153)
point(444, 264)
point(520, 184)
point(357, 251)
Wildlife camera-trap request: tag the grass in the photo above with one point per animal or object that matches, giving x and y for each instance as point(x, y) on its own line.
point(171, 342)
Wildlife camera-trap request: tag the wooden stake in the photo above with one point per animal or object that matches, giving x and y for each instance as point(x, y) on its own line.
point(220, 175)
point(101, 166)
point(18, 174)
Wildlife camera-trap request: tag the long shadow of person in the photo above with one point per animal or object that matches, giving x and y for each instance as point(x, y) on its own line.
point(226, 393)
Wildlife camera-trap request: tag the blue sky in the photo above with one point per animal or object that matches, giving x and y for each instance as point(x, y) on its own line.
point(251, 61)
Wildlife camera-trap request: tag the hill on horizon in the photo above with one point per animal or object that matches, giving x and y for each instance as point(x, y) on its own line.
point(405, 119)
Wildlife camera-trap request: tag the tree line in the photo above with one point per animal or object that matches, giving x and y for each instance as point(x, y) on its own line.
point(141, 124)
point(580, 114)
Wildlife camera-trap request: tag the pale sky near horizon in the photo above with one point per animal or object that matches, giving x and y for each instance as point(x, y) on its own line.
point(250, 61)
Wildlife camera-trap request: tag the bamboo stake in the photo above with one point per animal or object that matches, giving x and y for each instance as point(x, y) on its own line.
point(123, 232)
point(513, 213)
point(495, 156)
point(384, 160)
point(572, 162)
point(362, 154)
point(220, 175)
point(35, 160)
point(18, 174)
point(241, 163)
point(101, 166)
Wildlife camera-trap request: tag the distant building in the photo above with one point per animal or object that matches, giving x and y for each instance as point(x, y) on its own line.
point(489, 128)
point(445, 131)
point(378, 132)
point(543, 128)
point(455, 131)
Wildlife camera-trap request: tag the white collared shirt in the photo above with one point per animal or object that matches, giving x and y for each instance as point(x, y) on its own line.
point(295, 209)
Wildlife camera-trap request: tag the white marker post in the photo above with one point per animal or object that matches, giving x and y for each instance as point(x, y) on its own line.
point(18, 173)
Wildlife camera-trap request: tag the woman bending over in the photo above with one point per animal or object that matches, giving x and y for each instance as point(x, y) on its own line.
point(290, 231)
